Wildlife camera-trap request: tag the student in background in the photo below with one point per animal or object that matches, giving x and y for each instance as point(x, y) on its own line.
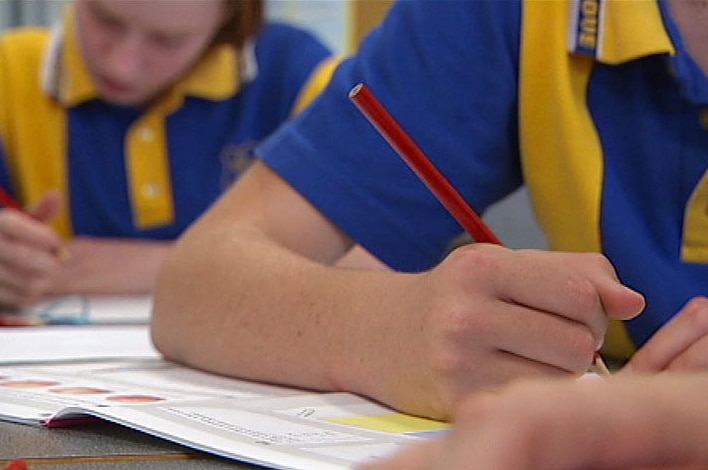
point(637, 422)
point(122, 125)
point(609, 132)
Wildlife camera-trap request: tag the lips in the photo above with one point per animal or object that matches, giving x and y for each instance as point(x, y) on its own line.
point(115, 86)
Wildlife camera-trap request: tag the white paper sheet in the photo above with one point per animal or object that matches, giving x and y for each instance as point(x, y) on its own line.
point(66, 343)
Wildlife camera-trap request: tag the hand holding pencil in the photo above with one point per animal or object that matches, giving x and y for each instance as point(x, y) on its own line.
point(31, 252)
point(447, 194)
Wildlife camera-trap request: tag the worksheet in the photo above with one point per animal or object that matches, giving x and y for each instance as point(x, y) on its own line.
point(55, 343)
point(274, 426)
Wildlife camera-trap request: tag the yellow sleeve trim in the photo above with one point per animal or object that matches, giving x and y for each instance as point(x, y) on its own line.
point(316, 83)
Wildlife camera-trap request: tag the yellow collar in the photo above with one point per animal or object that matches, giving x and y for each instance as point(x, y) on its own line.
point(65, 76)
point(616, 31)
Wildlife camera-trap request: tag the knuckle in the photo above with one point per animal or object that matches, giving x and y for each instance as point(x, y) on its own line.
point(601, 260)
point(696, 313)
point(474, 258)
point(583, 350)
point(584, 294)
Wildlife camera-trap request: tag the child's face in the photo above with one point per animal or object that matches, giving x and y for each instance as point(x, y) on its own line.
point(135, 49)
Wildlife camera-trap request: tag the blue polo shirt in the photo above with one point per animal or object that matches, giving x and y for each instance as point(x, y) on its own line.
point(595, 105)
point(142, 172)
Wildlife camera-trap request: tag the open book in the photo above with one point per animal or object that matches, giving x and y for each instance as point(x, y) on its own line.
point(277, 427)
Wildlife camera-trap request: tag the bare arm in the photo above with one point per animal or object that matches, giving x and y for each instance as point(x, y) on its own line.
point(109, 266)
point(656, 421)
point(248, 291)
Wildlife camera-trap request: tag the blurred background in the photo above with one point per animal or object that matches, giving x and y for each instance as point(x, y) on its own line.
point(341, 24)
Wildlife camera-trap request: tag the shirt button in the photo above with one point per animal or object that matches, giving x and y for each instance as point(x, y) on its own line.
point(150, 190)
point(703, 117)
point(147, 134)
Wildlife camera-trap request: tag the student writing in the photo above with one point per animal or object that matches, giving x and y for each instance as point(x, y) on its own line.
point(120, 126)
point(608, 135)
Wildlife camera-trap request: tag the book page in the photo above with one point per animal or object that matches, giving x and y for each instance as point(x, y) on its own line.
point(64, 343)
point(264, 424)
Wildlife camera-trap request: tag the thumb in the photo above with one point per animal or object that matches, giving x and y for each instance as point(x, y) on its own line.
point(621, 302)
point(47, 208)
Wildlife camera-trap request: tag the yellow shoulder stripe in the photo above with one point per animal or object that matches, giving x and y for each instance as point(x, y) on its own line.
point(32, 125)
point(562, 156)
point(316, 83)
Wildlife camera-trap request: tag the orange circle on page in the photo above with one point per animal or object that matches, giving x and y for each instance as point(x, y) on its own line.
point(29, 383)
point(79, 391)
point(134, 398)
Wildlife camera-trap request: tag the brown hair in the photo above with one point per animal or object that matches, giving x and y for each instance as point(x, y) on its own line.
point(244, 18)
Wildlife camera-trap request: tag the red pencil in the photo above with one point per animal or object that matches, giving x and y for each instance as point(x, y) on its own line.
point(382, 120)
point(16, 465)
point(419, 162)
point(8, 201)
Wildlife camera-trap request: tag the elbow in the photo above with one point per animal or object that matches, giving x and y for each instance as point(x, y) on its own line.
point(161, 335)
point(166, 322)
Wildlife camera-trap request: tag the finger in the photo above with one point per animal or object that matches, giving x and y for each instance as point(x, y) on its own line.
point(498, 370)
point(580, 287)
point(541, 337)
point(538, 280)
point(16, 226)
point(9, 319)
point(673, 339)
point(20, 261)
point(47, 208)
point(694, 358)
point(617, 300)
point(20, 288)
point(17, 297)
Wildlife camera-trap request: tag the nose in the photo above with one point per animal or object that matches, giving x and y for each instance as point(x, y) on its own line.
point(124, 59)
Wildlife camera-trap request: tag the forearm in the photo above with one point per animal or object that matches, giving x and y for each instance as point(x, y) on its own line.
point(665, 422)
point(651, 421)
point(110, 266)
point(647, 421)
point(234, 303)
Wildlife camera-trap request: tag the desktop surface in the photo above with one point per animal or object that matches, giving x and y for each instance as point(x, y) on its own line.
point(101, 445)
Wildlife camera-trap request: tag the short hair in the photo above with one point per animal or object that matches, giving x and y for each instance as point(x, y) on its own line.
point(244, 19)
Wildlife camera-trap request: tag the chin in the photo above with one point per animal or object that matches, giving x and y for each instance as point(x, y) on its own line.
point(123, 99)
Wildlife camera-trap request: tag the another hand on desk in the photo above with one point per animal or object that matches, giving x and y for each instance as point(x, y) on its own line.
point(109, 266)
point(29, 251)
point(652, 421)
point(680, 345)
point(35, 263)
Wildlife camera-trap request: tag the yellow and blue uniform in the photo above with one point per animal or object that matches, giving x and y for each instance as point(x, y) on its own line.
point(143, 172)
point(594, 104)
